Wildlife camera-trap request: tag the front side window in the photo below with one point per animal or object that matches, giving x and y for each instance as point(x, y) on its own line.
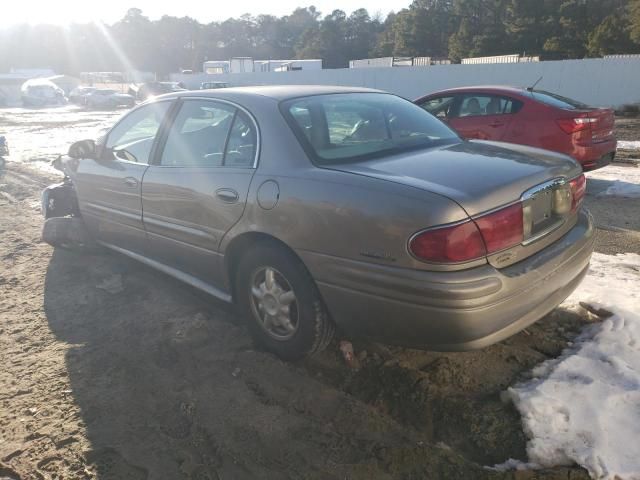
point(339, 128)
point(210, 134)
point(132, 138)
point(440, 106)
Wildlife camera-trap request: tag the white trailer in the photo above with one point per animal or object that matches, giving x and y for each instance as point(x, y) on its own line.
point(215, 67)
point(241, 65)
point(371, 62)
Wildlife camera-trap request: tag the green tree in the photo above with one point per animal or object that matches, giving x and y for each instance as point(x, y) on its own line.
point(611, 36)
point(135, 42)
point(481, 29)
point(634, 21)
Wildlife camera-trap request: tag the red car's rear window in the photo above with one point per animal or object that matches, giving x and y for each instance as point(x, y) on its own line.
point(557, 100)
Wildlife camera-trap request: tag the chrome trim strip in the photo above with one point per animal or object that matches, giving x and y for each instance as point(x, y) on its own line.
point(113, 211)
point(543, 233)
point(173, 272)
point(555, 182)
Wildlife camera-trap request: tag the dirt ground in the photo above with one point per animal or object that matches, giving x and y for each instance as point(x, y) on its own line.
point(113, 371)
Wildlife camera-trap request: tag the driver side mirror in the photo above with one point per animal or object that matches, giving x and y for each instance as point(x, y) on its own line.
point(83, 149)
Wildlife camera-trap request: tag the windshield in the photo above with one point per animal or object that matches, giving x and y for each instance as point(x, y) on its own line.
point(557, 100)
point(341, 128)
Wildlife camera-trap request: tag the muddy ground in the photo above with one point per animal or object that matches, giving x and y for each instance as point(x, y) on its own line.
point(113, 371)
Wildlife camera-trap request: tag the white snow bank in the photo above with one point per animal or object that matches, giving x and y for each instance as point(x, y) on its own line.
point(629, 145)
point(584, 407)
point(625, 181)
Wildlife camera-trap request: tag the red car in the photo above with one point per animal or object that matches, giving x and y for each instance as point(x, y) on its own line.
point(528, 117)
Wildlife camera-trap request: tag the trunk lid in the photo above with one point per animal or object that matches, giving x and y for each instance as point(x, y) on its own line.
point(588, 125)
point(602, 127)
point(478, 175)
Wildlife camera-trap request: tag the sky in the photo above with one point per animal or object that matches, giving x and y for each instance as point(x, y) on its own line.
point(63, 12)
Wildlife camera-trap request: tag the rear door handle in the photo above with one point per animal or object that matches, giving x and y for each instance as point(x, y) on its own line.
point(227, 195)
point(496, 124)
point(131, 182)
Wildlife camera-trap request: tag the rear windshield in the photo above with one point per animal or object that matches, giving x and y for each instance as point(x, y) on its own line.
point(347, 127)
point(557, 100)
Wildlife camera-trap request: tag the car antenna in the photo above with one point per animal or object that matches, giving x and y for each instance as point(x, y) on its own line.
point(530, 89)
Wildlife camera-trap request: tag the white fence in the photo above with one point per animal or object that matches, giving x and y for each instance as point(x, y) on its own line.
point(603, 82)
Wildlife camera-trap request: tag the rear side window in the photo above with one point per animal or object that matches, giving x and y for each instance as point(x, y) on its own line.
point(340, 128)
point(241, 146)
point(478, 105)
point(210, 134)
point(557, 100)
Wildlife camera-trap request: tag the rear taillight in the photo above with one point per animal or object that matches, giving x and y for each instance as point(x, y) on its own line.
point(458, 243)
point(572, 125)
point(502, 229)
point(472, 239)
point(578, 189)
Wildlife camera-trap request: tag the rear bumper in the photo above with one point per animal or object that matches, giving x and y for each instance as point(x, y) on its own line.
point(603, 161)
point(595, 155)
point(452, 310)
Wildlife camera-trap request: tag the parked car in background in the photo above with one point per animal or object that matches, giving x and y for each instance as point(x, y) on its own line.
point(40, 92)
point(78, 95)
point(528, 117)
point(107, 98)
point(152, 89)
point(315, 206)
point(213, 85)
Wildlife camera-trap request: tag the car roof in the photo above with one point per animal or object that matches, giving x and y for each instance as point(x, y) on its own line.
point(497, 89)
point(276, 92)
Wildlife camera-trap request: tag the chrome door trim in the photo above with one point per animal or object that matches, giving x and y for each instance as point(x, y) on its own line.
point(174, 272)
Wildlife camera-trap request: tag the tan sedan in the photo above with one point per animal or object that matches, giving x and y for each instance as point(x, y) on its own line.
point(321, 207)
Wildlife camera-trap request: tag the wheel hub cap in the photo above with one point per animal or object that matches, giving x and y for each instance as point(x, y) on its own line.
point(274, 303)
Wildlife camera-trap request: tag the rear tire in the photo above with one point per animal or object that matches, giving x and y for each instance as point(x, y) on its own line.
point(281, 303)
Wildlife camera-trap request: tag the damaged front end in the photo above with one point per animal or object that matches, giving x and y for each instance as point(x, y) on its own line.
point(60, 199)
point(63, 226)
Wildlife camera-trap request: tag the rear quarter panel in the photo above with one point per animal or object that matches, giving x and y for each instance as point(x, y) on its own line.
point(346, 215)
point(535, 125)
point(330, 212)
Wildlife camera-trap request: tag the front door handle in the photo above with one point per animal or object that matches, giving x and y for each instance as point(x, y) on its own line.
point(227, 195)
point(496, 124)
point(131, 182)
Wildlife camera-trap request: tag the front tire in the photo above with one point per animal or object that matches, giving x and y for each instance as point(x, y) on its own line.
point(281, 303)
point(67, 232)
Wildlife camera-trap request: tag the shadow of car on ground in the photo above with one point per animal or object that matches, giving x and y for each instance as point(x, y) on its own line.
point(169, 385)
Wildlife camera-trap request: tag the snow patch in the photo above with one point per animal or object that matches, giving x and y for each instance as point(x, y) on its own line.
point(629, 145)
point(625, 181)
point(513, 464)
point(584, 407)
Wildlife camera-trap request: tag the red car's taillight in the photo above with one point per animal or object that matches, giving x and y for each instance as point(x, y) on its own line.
point(472, 239)
point(572, 125)
point(578, 189)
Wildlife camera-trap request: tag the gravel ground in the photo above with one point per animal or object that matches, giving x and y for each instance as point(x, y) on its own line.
point(114, 371)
